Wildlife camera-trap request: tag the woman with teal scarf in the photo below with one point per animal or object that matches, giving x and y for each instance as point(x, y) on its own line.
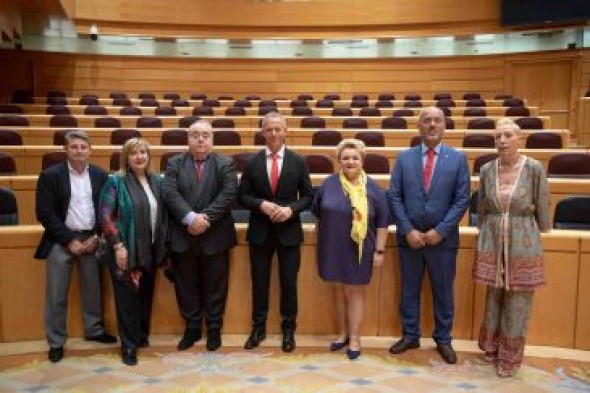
point(134, 221)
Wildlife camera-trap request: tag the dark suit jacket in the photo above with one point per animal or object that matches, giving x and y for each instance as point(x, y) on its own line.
point(442, 207)
point(52, 201)
point(293, 190)
point(213, 195)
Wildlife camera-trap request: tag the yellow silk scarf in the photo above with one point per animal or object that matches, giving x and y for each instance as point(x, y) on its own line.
point(360, 209)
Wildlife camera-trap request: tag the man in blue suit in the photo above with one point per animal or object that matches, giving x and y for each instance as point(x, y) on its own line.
point(428, 195)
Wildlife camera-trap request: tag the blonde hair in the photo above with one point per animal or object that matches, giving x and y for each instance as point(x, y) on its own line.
point(508, 123)
point(350, 143)
point(128, 148)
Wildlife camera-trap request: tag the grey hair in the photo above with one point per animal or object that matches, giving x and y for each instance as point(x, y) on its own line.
point(76, 134)
point(201, 122)
point(273, 115)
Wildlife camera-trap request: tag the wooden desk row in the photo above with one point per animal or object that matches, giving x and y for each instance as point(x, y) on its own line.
point(86, 121)
point(40, 109)
point(24, 187)
point(28, 158)
point(255, 103)
point(561, 312)
point(295, 136)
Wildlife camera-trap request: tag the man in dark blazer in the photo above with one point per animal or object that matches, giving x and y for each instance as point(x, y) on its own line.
point(276, 187)
point(67, 207)
point(199, 189)
point(428, 195)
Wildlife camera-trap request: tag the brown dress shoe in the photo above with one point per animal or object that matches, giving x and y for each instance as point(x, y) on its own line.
point(447, 352)
point(403, 345)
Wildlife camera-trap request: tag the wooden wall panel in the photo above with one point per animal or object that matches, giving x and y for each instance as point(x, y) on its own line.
point(309, 19)
point(79, 74)
point(549, 82)
point(555, 316)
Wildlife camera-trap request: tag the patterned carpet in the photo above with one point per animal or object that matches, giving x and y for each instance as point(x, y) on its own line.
point(267, 369)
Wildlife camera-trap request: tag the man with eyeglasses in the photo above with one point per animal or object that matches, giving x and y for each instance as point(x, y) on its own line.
point(199, 189)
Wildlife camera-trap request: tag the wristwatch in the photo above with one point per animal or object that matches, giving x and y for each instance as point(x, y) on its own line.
point(380, 252)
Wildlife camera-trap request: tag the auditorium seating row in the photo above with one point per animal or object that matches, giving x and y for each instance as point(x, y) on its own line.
point(27, 96)
point(89, 121)
point(534, 139)
point(254, 111)
point(561, 317)
point(30, 160)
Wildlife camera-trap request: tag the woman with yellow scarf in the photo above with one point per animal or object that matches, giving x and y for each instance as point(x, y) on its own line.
point(352, 217)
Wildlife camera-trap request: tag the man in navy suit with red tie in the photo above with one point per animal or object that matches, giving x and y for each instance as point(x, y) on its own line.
point(428, 195)
point(276, 187)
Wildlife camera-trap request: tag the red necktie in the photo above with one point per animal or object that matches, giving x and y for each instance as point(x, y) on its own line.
point(199, 169)
point(274, 172)
point(428, 167)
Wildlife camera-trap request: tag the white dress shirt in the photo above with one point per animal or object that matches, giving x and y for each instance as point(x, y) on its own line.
point(80, 215)
point(153, 207)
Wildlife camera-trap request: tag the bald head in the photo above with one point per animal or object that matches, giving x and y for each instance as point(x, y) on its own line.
point(431, 124)
point(431, 111)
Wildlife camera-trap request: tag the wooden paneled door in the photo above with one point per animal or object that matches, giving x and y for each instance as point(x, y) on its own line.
point(16, 74)
point(548, 83)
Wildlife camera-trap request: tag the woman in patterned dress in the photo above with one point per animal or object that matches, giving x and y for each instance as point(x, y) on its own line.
point(513, 209)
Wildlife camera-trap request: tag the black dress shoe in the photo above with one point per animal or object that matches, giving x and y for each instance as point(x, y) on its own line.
point(447, 353)
point(403, 345)
point(129, 356)
point(190, 337)
point(352, 354)
point(288, 344)
point(104, 338)
point(213, 340)
point(55, 354)
point(338, 345)
point(256, 337)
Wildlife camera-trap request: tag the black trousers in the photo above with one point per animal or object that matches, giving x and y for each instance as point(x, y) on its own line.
point(201, 286)
point(260, 269)
point(134, 308)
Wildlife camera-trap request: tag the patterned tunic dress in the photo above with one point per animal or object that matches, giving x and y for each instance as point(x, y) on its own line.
point(509, 249)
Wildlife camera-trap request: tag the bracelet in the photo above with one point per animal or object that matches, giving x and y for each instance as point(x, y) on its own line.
point(380, 252)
